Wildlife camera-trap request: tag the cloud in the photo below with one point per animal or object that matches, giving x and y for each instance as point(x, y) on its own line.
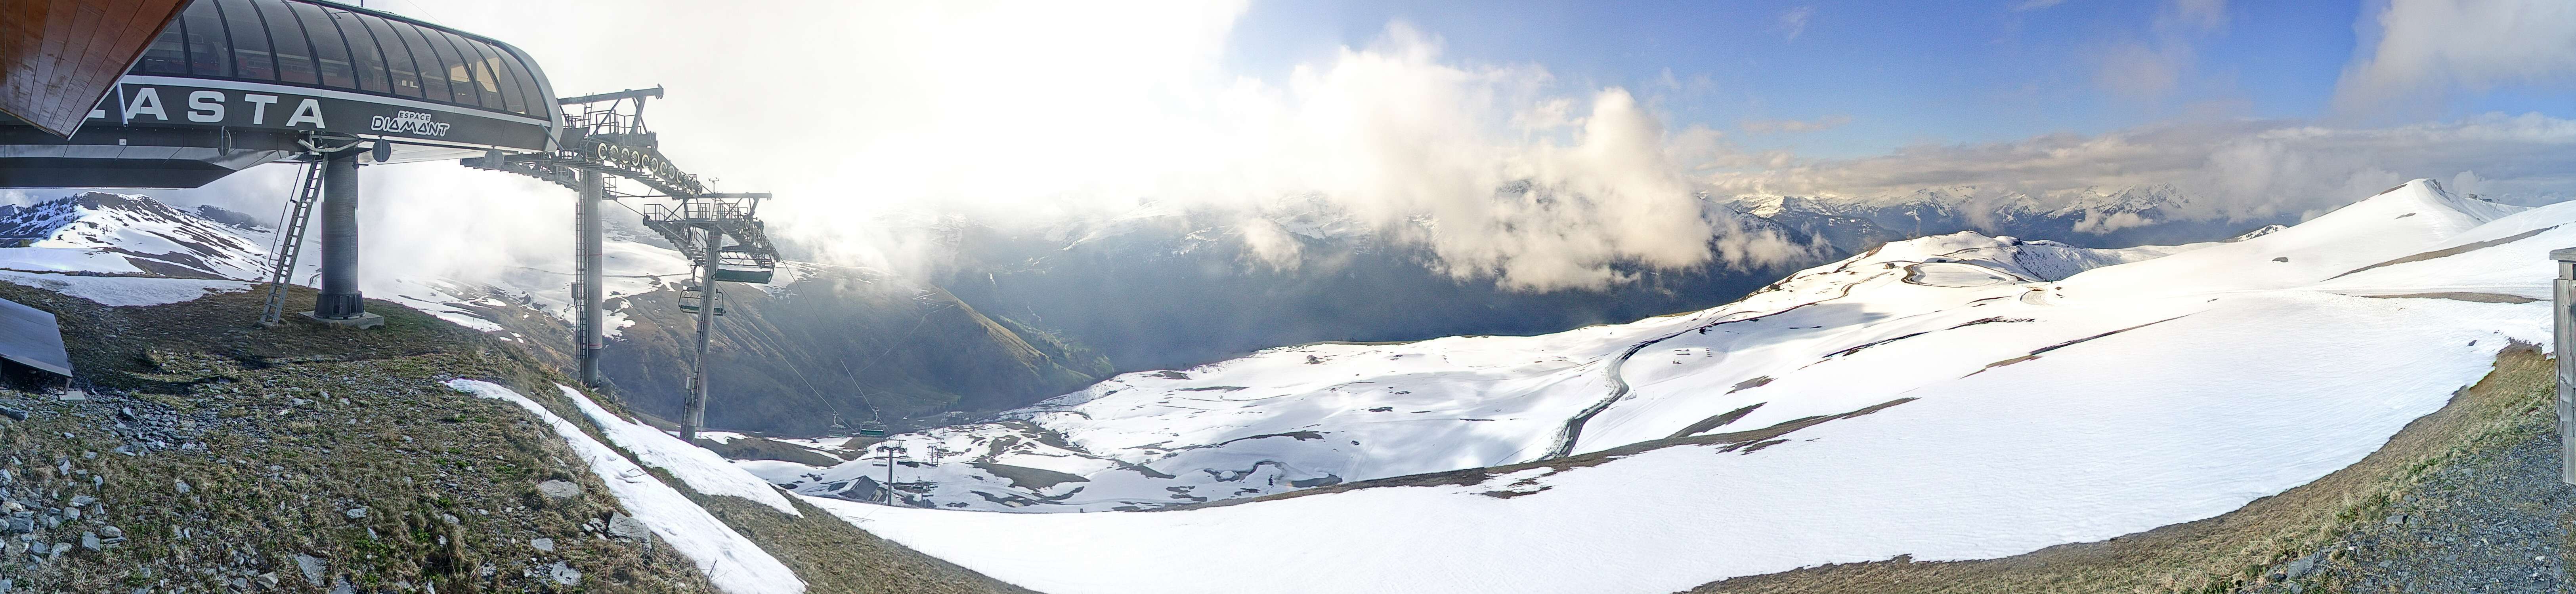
point(2142, 70)
point(1794, 22)
point(2428, 52)
point(1482, 165)
point(2205, 15)
point(2239, 169)
point(1775, 126)
point(2036, 5)
point(866, 119)
point(2151, 68)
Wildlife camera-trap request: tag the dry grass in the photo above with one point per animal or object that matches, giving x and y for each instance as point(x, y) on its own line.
point(833, 557)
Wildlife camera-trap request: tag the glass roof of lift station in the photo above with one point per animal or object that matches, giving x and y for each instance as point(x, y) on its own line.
point(326, 45)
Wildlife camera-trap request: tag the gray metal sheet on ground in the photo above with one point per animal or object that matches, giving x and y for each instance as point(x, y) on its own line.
point(29, 336)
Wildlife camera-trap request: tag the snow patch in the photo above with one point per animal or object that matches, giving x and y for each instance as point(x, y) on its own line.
point(124, 291)
point(730, 561)
point(702, 470)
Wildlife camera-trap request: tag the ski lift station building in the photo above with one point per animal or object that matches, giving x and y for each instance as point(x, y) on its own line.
point(230, 84)
point(180, 93)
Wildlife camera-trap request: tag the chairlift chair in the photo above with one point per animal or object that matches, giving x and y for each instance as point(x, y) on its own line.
point(735, 264)
point(690, 298)
point(872, 429)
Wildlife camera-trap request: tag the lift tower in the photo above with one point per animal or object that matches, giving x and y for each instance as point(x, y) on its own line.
point(718, 232)
point(724, 243)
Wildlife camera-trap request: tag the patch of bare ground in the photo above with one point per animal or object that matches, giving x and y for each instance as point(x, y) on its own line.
point(2450, 251)
point(2460, 296)
point(753, 447)
point(1737, 441)
point(2276, 543)
point(1023, 477)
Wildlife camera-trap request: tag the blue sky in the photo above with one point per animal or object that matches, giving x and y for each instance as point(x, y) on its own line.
point(1902, 72)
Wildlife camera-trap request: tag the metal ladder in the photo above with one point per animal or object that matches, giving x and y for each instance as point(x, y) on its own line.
point(290, 245)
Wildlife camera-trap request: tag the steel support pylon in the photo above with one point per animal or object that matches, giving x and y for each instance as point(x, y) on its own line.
point(589, 263)
point(2564, 304)
point(695, 408)
point(340, 303)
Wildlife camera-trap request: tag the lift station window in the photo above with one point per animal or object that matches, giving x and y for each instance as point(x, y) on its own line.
point(475, 70)
point(330, 50)
point(251, 59)
point(209, 50)
point(168, 53)
point(286, 39)
point(433, 75)
point(527, 85)
point(366, 60)
point(451, 69)
point(399, 69)
point(460, 74)
point(498, 69)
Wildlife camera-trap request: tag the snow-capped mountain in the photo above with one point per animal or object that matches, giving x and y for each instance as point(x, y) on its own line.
point(108, 233)
point(2096, 217)
point(1951, 397)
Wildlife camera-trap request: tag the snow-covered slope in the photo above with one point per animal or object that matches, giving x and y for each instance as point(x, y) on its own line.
point(1953, 397)
point(1323, 414)
point(125, 234)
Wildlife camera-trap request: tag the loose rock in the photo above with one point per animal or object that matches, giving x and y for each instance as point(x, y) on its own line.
point(558, 489)
point(627, 527)
point(312, 567)
point(564, 574)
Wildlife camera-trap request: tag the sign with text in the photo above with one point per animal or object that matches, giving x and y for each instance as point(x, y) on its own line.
point(277, 107)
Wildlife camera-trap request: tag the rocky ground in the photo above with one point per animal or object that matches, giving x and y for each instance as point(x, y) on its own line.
point(311, 476)
point(2495, 521)
point(204, 454)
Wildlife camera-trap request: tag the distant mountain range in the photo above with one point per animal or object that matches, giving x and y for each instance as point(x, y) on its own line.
point(1162, 288)
point(2094, 217)
point(1016, 316)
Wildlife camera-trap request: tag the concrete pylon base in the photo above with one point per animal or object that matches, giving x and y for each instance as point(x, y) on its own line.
point(362, 321)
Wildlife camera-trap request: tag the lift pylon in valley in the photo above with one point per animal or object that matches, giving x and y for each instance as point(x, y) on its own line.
point(724, 243)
